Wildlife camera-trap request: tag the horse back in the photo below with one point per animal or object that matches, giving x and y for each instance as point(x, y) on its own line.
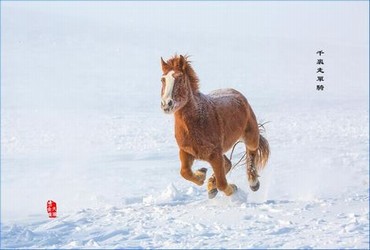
point(229, 101)
point(233, 111)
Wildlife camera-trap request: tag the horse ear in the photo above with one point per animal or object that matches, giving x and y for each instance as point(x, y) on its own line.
point(182, 63)
point(164, 65)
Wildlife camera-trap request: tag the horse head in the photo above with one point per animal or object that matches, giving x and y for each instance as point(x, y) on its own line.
point(179, 82)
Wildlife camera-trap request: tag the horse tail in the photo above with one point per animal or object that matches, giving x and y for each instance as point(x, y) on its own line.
point(262, 153)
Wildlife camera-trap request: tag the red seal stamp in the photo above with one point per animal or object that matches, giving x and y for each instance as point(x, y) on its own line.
point(51, 208)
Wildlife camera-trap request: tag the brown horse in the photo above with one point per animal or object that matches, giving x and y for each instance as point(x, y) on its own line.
point(207, 126)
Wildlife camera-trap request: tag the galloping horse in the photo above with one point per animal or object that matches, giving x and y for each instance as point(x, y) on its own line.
point(207, 126)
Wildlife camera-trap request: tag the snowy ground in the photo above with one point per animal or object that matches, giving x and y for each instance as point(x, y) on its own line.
point(81, 124)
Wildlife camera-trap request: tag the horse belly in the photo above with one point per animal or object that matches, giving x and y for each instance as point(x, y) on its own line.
point(232, 109)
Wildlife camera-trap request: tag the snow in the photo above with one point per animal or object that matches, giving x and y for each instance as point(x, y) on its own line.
point(81, 124)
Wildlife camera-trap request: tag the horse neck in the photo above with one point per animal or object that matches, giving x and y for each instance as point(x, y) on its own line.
point(185, 113)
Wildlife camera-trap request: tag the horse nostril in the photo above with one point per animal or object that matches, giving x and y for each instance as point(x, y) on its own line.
point(170, 103)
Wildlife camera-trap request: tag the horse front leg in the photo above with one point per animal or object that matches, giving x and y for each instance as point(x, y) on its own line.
point(187, 160)
point(217, 162)
point(211, 185)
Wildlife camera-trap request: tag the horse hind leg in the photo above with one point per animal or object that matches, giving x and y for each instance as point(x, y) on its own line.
point(251, 139)
point(252, 172)
point(212, 185)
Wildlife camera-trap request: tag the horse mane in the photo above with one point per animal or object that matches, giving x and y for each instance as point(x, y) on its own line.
point(174, 64)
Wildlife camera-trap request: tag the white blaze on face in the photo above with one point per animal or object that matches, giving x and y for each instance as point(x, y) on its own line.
point(170, 81)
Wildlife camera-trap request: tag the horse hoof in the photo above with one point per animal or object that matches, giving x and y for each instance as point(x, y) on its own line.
point(200, 175)
point(235, 188)
point(256, 186)
point(212, 193)
point(203, 170)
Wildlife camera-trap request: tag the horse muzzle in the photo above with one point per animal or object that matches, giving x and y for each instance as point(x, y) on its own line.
point(167, 106)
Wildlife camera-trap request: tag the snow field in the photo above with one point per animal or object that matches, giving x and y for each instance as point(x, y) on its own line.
point(81, 124)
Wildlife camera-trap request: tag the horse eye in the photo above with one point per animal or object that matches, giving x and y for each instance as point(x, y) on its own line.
point(163, 80)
